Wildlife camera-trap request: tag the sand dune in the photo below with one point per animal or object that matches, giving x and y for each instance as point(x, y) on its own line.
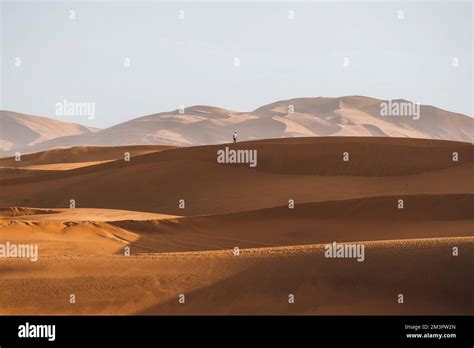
point(74, 231)
point(377, 218)
point(258, 281)
point(79, 214)
point(15, 173)
point(69, 158)
point(203, 125)
point(22, 131)
point(302, 169)
point(133, 205)
point(79, 154)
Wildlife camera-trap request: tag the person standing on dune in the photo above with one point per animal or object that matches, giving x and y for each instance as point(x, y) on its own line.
point(235, 137)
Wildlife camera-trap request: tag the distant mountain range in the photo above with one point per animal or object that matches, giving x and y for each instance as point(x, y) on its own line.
point(200, 125)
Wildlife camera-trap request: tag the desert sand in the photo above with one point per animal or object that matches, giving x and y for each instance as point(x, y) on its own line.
point(202, 125)
point(135, 207)
point(21, 130)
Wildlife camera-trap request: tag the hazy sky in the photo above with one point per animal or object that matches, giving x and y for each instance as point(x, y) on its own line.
point(190, 61)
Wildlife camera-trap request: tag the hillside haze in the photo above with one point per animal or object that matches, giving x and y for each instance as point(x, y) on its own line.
point(203, 125)
point(19, 131)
